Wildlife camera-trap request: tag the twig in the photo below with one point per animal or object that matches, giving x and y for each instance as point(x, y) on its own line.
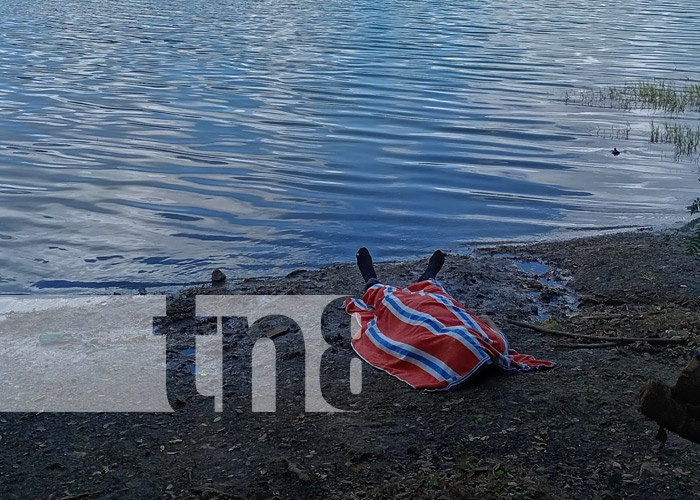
point(207, 490)
point(79, 495)
point(601, 316)
point(276, 332)
point(599, 338)
point(589, 346)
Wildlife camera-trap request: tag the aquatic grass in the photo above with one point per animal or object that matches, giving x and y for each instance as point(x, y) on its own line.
point(657, 95)
point(615, 132)
point(685, 138)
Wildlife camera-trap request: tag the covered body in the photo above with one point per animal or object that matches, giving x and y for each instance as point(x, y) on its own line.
point(423, 336)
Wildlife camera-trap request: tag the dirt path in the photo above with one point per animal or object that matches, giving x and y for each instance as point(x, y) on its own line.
point(572, 432)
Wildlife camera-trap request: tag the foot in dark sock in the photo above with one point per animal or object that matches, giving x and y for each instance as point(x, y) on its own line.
point(364, 263)
point(434, 265)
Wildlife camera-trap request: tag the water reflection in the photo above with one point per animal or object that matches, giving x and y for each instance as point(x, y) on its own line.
point(146, 143)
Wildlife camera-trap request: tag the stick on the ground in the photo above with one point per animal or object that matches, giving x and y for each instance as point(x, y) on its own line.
point(208, 490)
point(276, 332)
point(588, 346)
point(598, 338)
point(80, 495)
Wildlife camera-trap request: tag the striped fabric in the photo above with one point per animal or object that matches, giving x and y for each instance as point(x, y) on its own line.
point(424, 337)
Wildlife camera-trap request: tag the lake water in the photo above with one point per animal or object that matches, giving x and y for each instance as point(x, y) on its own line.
point(144, 143)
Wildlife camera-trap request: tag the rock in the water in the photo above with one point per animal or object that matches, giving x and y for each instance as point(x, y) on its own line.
point(217, 276)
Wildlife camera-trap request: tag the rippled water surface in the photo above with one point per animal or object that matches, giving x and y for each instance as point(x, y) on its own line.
point(145, 143)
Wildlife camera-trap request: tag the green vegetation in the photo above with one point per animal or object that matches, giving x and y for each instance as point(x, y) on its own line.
point(694, 225)
point(657, 96)
point(685, 138)
point(661, 95)
point(615, 132)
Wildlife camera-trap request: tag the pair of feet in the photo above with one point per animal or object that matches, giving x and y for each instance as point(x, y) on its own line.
point(364, 263)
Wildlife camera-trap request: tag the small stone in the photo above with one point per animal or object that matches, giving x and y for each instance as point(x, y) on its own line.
point(301, 473)
point(217, 276)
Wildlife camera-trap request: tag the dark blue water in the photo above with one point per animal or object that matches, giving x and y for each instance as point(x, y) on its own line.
point(143, 143)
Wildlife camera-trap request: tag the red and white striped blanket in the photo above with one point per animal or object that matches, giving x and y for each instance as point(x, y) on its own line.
point(424, 337)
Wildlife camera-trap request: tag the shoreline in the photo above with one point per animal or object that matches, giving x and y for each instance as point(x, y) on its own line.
point(512, 252)
point(236, 283)
point(58, 286)
point(571, 432)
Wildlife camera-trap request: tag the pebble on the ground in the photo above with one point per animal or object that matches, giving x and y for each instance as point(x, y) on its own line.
point(217, 276)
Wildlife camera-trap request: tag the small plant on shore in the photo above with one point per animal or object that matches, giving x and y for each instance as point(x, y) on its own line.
point(694, 225)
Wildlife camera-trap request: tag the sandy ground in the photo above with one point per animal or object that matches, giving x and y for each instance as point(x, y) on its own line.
point(571, 432)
